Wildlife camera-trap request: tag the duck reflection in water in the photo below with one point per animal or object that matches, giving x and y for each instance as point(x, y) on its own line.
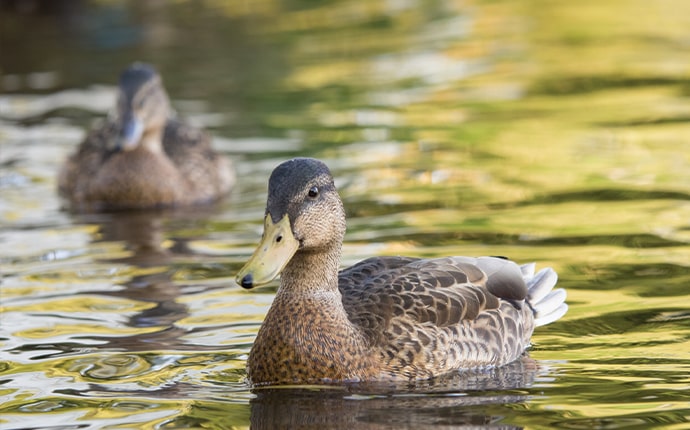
point(136, 169)
point(144, 236)
point(458, 400)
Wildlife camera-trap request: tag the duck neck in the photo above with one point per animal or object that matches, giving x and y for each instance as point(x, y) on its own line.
point(312, 272)
point(152, 140)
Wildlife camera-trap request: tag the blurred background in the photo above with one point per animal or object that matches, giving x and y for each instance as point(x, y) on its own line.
point(543, 130)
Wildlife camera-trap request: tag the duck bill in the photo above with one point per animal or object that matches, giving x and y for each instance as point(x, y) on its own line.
point(277, 247)
point(130, 134)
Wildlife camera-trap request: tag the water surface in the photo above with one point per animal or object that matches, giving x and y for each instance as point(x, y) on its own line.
point(553, 132)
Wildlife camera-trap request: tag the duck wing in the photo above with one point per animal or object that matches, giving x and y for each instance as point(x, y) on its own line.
point(85, 163)
point(427, 316)
point(180, 137)
point(208, 173)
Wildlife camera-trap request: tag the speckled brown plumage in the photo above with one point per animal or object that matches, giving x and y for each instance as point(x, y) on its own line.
point(385, 318)
point(140, 157)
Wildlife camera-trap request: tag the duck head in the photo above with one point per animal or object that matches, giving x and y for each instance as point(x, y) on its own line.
point(143, 107)
point(304, 215)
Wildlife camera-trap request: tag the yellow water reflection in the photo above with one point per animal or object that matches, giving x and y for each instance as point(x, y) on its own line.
point(545, 131)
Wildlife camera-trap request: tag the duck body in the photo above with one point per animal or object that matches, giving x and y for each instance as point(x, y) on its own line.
point(140, 157)
point(385, 318)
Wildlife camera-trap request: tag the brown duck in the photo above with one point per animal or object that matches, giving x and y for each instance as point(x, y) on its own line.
point(141, 157)
point(385, 318)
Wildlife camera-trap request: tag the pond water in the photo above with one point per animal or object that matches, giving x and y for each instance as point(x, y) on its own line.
point(554, 132)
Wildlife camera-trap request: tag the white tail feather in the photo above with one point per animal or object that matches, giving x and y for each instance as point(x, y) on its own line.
point(548, 304)
point(540, 285)
point(556, 314)
point(527, 271)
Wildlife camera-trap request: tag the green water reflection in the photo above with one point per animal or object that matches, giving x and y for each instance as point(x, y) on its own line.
point(542, 130)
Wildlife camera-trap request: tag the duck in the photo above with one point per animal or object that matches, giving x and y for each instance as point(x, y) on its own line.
point(386, 318)
point(142, 157)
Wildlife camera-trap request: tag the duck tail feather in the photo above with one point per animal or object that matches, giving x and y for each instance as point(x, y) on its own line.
point(528, 271)
point(548, 303)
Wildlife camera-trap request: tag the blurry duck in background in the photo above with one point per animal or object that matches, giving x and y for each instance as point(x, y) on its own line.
point(140, 157)
point(385, 318)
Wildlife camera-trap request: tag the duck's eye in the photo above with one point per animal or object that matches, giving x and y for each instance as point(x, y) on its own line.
point(139, 104)
point(313, 192)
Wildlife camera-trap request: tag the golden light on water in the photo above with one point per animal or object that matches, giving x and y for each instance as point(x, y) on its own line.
point(545, 131)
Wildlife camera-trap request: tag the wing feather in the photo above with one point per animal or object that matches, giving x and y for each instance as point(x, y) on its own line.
point(440, 292)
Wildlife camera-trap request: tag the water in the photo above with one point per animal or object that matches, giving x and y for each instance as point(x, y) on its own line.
point(553, 132)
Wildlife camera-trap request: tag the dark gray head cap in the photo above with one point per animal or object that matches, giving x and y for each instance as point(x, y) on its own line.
point(291, 179)
point(137, 75)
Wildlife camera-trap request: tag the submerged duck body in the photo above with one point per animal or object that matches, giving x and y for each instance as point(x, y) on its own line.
point(140, 157)
point(385, 318)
